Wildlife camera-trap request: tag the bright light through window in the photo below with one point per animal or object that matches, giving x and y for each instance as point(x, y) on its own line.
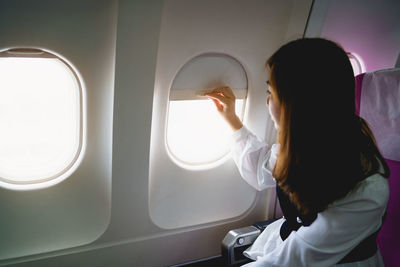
point(40, 119)
point(196, 133)
point(356, 63)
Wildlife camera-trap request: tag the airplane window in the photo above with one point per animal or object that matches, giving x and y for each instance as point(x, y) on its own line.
point(356, 63)
point(41, 117)
point(196, 134)
point(197, 137)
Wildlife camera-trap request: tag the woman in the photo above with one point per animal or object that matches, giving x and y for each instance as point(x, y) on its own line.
point(329, 174)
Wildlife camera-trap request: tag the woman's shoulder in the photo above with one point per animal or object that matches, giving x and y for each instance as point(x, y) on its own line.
point(373, 190)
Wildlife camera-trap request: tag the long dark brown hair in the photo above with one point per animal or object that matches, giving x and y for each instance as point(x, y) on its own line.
point(325, 148)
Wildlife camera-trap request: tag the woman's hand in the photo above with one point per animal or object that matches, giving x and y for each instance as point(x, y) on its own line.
point(224, 100)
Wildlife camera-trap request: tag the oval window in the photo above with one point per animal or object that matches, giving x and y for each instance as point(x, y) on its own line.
point(41, 119)
point(196, 136)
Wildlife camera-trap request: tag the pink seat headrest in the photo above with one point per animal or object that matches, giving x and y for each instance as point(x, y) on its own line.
point(380, 107)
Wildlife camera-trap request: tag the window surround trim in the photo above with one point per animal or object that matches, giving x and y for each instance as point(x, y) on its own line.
point(18, 52)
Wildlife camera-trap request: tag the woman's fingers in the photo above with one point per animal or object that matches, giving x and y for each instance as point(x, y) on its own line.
point(217, 96)
point(223, 91)
point(227, 91)
point(223, 94)
point(218, 104)
point(224, 100)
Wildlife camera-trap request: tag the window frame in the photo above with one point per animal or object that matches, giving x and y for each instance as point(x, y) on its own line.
point(65, 172)
point(358, 61)
point(178, 93)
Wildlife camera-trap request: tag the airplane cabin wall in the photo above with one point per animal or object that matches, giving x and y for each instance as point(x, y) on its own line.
point(116, 228)
point(77, 210)
point(131, 238)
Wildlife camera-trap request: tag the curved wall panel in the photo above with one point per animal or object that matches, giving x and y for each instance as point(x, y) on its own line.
point(77, 210)
point(245, 31)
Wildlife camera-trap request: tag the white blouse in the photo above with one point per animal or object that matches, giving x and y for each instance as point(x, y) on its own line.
point(335, 232)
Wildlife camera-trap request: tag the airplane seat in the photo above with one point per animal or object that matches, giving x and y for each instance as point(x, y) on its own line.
point(378, 102)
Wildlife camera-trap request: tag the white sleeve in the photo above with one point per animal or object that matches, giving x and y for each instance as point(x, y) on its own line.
point(254, 158)
point(335, 232)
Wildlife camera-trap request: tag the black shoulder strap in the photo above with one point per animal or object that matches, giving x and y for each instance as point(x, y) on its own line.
point(366, 249)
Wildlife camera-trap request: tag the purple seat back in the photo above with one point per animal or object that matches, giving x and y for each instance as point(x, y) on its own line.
point(389, 235)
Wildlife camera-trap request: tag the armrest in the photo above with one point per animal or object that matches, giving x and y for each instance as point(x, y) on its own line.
point(238, 240)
